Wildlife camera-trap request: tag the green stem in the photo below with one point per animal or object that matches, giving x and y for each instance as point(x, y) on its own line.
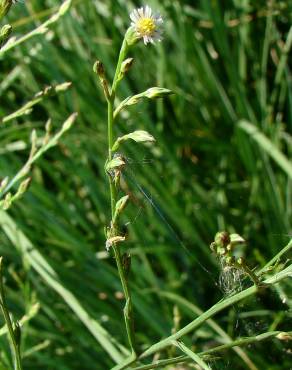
point(239, 342)
point(110, 144)
point(192, 355)
point(251, 275)
point(122, 57)
point(51, 143)
point(218, 307)
point(212, 324)
point(15, 345)
point(40, 30)
point(276, 258)
point(128, 309)
point(214, 310)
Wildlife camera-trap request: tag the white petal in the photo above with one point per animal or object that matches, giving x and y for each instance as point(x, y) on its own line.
point(133, 16)
point(158, 18)
point(137, 15)
point(141, 12)
point(148, 11)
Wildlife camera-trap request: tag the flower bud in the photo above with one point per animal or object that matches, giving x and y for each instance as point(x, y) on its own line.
point(236, 239)
point(99, 69)
point(6, 202)
point(240, 261)
point(126, 65)
point(229, 261)
point(22, 188)
point(213, 247)
point(5, 33)
point(222, 239)
point(4, 183)
point(65, 7)
point(114, 240)
point(157, 92)
point(69, 122)
point(4, 7)
point(120, 206)
point(284, 336)
point(230, 247)
point(131, 36)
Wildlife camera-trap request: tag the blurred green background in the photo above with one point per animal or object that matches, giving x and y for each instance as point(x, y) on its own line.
point(227, 61)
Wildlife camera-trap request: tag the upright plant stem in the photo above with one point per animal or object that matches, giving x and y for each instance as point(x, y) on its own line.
point(110, 144)
point(15, 345)
point(128, 309)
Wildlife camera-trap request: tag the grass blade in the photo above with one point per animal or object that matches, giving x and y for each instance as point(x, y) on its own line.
point(38, 262)
point(267, 145)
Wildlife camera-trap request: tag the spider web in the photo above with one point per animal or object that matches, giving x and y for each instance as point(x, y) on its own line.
point(148, 197)
point(229, 281)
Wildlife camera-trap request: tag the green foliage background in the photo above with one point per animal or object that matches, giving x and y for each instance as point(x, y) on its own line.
point(226, 62)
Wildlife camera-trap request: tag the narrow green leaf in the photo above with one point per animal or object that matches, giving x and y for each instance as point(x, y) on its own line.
point(41, 266)
point(267, 145)
point(197, 359)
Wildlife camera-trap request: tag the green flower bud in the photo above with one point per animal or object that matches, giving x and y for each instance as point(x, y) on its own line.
point(4, 7)
point(284, 336)
point(240, 261)
point(221, 251)
point(229, 261)
point(126, 65)
point(131, 36)
point(6, 202)
point(99, 69)
point(23, 187)
point(213, 247)
point(222, 239)
point(5, 33)
point(120, 206)
point(157, 92)
point(230, 247)
point(4, 183)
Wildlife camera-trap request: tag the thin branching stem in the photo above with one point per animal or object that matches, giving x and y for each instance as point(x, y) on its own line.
point(40, 30)
point(206, 354)
point(128, 309)
point(218, 307)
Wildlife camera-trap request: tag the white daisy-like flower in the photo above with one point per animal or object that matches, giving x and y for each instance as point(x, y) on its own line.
point(147, 24)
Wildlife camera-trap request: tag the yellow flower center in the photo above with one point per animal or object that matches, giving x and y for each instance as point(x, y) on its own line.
point(146, 26)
